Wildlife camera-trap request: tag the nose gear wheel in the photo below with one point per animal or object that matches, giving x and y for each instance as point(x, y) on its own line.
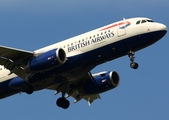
point(133, 64)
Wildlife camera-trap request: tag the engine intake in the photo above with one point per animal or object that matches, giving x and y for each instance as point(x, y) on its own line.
point(47, 60)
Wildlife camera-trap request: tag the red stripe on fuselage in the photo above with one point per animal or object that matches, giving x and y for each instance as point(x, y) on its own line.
point(115, 25)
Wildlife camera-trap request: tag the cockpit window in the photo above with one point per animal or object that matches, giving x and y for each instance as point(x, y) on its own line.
point(143, 21)
point(138, 22)
point(150, 21)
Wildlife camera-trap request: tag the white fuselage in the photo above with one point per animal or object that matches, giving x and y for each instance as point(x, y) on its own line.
point(110, 33)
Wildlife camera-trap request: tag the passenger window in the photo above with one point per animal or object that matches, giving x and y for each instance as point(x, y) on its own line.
point(143, 21)
point(138, 22)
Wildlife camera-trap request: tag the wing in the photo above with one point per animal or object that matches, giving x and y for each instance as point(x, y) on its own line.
point(14, 54)
point(13, 59)
point(73, 89)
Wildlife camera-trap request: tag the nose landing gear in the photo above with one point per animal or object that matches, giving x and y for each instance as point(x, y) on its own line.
point(133, 64)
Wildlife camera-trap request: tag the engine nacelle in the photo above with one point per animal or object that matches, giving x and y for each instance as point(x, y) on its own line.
point(16, 83)
point(101, 82)
point(47, 60)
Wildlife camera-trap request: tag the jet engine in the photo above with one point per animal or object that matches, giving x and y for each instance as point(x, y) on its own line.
point(101, 82)
point(47, 60)
point(20, 84)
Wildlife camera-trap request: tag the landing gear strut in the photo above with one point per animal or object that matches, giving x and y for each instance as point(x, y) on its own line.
point(133, 64)
point(62, 101)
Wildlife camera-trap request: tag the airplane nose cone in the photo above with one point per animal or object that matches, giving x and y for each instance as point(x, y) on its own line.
point(161, 30)
point(161, 27)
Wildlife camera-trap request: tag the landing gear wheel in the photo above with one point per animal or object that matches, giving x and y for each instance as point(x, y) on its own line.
point(66, 104)
point(134, 65)
point(63, 102)
point(60, 102)
point(29, 89)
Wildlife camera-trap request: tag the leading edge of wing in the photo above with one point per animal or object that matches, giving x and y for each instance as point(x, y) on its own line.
point(13, 53)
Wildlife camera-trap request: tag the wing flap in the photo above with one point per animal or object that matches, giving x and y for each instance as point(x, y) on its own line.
point(13, 59)
point(91, 98)
point(13, 69)
point(88, 98)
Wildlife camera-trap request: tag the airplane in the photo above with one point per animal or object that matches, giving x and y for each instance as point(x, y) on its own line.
point(65, 66)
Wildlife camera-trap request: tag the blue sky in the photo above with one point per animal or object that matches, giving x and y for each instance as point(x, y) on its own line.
point(142, 94)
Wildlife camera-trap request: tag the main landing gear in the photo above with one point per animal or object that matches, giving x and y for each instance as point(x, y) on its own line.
point(29, 89)
point(62, 101)
point(133, 64)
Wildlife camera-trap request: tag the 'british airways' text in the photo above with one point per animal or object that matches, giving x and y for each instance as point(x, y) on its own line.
point(90, 42)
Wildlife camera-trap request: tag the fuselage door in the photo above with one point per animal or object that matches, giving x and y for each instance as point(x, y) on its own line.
point(121, 28)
